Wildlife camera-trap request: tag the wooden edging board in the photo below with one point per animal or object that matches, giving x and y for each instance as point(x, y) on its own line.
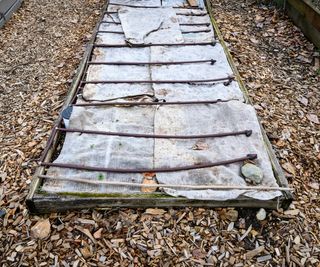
point(7, 7)
point(41, 202)
point(305, 15)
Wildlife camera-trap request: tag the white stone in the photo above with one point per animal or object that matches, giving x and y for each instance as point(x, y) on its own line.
point(252, 173)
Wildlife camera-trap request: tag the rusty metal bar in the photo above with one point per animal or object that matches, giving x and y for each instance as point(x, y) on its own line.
point(178, 7)
point(157, 136)
point(196, 31)
point(184, 32)
point(179, 14)
point(137, 103)
point(194, 24)
point(228, 78)
point(111, 22)
point(211, 61)
point(181, 24)
point(192, 14)
point(213, 43)
point(143, 170)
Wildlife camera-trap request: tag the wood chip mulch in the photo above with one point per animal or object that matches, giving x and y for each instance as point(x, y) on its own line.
point(40, 49)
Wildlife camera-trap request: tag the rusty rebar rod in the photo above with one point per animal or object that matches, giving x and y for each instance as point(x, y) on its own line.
point(139, 103)
point(213, 43)
point(111, 22)
point(192, 14)
point(183, 32)
point(181, 24)
point(195, 24)
point(178, 7)
point(179, 14)
point(156, 136)
point(143, 170)
point(211, 61)
point(228, 79)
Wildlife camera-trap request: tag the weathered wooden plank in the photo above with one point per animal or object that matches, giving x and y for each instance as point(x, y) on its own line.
point(305, 16)
point(7, 8)
point(57, 203)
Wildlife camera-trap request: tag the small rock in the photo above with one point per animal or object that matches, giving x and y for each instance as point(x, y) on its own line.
point(261, 214)
point(41, 229)
point(252, 173)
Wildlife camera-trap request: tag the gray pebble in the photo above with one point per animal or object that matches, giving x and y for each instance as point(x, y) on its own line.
point(252, 173)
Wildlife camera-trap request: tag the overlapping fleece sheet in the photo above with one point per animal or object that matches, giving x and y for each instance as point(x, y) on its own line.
point(151, 23)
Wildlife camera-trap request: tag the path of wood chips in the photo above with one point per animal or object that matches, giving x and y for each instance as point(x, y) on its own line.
point(40, 48)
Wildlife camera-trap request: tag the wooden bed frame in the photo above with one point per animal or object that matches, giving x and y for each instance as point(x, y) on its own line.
point(7, 7)
point(42, 202)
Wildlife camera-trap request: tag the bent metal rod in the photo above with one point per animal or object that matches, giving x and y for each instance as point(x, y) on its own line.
point(158, 136)
point(184, 32)
point(211, 61)
point(178, 14)
point(228, 78)
point(181, 24)
point(179, 7)
point(139, 103)
point(213, 43)
point(143, 170)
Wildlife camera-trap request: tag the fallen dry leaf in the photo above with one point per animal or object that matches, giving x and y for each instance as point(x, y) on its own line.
point(313, 118)
point(289, 168)
point(155, 211)
point(149, 179)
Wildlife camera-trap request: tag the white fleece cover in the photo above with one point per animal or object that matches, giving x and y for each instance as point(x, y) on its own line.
point(124, 152)
point(105, 151)
point(150, 25)
point(169, 92)
point(154, 25)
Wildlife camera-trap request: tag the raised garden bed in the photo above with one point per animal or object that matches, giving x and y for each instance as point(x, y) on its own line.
point(40, 200)
point(306, 15)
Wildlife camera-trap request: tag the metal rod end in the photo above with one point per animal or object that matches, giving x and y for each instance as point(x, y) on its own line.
point(252, 156)
point(213, 61)
point(230, 79)
point(248, 133)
